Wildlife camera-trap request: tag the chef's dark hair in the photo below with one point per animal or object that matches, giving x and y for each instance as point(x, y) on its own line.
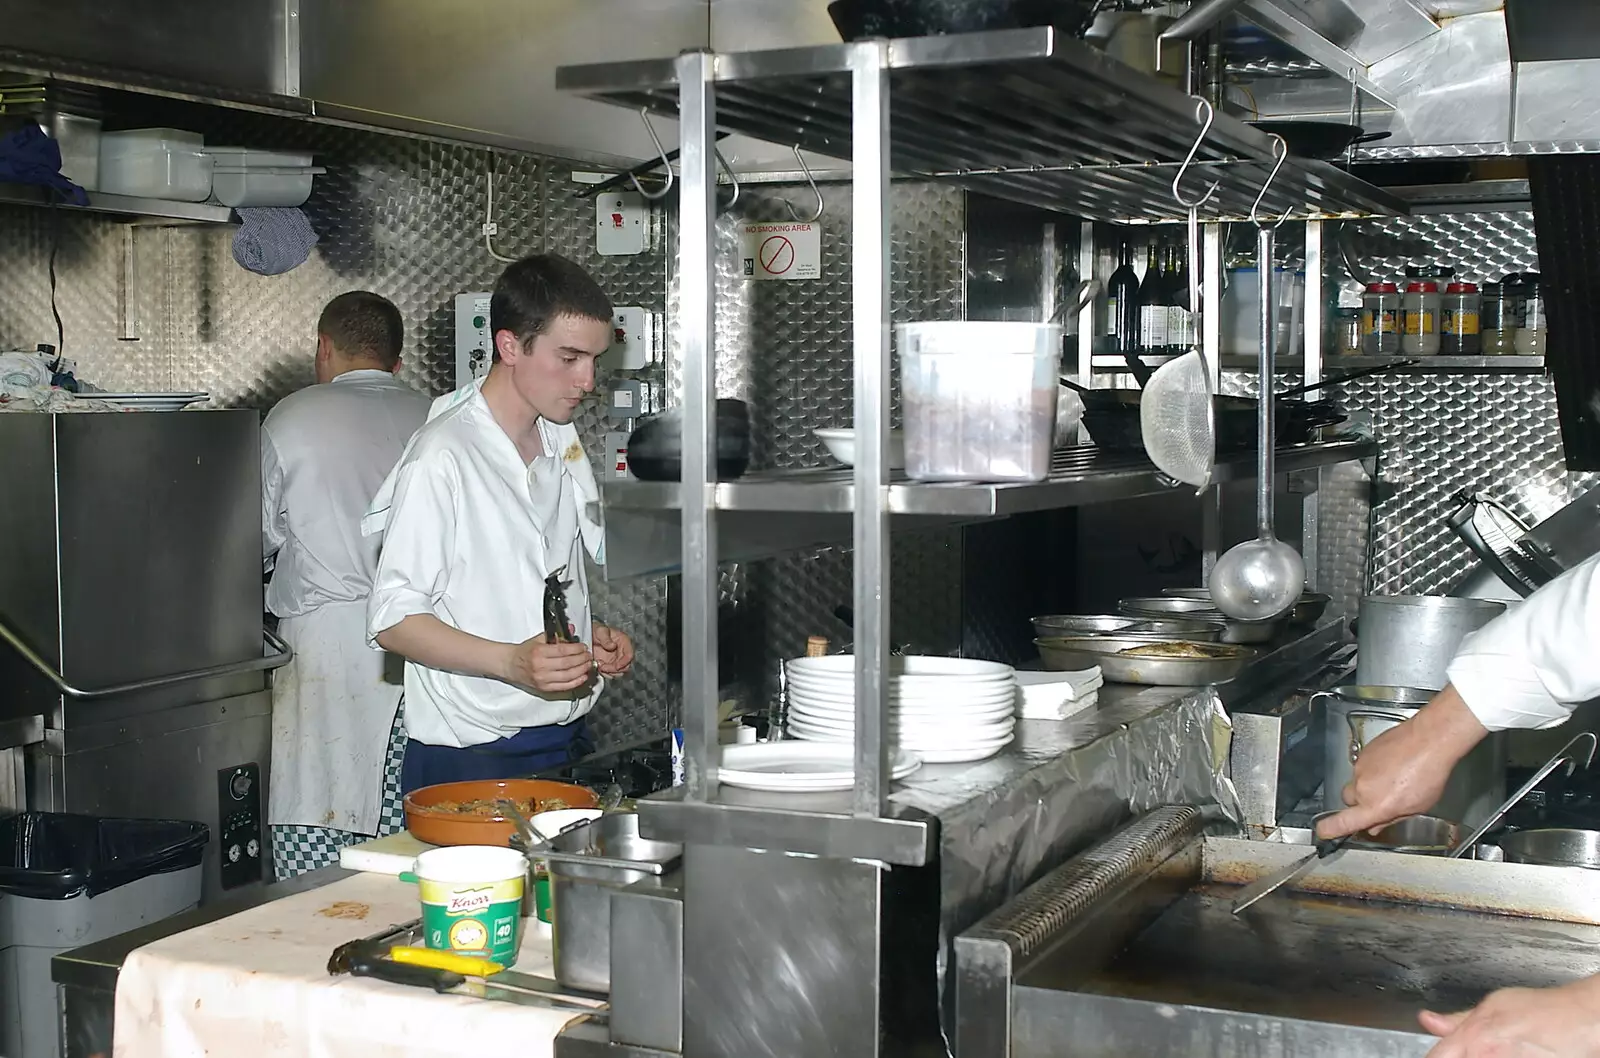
point(531, 293)
point(364, 325)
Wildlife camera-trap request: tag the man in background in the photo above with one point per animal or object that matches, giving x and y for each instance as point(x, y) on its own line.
point(324, 452)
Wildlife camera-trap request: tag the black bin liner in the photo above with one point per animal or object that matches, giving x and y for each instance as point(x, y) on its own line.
point(57, 855)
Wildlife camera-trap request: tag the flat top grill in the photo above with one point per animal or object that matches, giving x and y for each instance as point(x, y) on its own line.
point(1331, 959)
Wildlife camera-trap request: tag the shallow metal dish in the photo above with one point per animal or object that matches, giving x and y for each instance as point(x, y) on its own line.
point(1310, 607)
point(1071, 625)
point(1069, 654)
point(1236, 632)
point(1419, 835)
point(1553, 847)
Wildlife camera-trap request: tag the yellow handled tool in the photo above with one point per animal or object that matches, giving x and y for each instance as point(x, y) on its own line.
point(465, 965)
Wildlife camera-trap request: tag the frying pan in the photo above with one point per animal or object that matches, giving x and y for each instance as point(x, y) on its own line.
point(1318, 139)
point(855, 19)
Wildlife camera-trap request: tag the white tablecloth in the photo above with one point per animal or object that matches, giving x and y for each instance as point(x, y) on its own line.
point(257, 984)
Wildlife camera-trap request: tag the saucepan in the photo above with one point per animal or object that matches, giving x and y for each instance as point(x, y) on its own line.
point(1318, 139)
point(1552, 847)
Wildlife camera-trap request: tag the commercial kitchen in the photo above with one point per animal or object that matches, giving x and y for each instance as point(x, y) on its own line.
point(996, 650)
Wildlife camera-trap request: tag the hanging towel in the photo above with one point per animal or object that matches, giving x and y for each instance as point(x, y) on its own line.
point(270, 242)
point(28, 156)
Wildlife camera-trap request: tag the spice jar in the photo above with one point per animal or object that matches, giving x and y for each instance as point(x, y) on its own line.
point(1347, 336)
point(1528, 340)
point(1419, 312)
point(1380, 319)
point(1458, 320)
point(1494, 328)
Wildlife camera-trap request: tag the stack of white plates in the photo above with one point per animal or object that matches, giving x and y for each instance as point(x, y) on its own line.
point(942, 709)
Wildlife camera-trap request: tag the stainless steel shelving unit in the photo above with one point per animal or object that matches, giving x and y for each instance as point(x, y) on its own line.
point(1027, 115)
point(1022, 114)
point(1078, 476)
point(149, 210)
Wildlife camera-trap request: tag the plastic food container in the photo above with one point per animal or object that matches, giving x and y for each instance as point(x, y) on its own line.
point(242, 177)
point(979, 399)
point(472, 900)
point(155, 163)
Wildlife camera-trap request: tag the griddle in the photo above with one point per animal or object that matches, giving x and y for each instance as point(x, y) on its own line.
point(1132, 947)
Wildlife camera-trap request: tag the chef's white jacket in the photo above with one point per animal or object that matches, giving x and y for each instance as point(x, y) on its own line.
point(1534, 664)
point(470, 532)
point(324, 452)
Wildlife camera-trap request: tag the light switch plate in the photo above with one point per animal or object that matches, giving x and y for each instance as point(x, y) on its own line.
point(632, 330)
point(621, 223)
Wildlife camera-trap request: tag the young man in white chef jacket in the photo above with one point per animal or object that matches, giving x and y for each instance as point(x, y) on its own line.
point(1527, 669)
point(491, 497)
point(324, 452)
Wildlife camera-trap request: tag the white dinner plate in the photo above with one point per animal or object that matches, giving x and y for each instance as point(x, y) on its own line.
point(906, 684)
point(800, 767)
point(846, 714)
point(915, 665)
point(943, 693)
point(912, 737)
point(148, 401)
point(952, 754)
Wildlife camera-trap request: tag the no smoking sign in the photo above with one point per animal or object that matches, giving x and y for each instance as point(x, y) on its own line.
point(781, 250)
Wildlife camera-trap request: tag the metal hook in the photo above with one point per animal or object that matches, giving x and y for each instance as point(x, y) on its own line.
point(666, 163)
point(1210, 116)
point(733, 178)
point(812, 181)
point(1280, 151)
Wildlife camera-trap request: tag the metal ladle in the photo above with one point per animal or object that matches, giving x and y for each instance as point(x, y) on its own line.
point(1259, 579)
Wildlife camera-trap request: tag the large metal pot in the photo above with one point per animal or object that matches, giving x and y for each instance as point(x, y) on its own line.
point(1356, 715)
point(1408, 640)
point(1554, 847)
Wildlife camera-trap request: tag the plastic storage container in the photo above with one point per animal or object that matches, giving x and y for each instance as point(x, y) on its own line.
point(1493, 326)
point(1528, 340)
point(979, 399)
point(155, 163)
point(1458, 321)
point(1419, 309)
point(1380, 319)
point(70, 880)
point(241, 177)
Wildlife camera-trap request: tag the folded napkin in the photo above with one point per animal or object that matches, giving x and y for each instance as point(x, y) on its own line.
point(1053, 695)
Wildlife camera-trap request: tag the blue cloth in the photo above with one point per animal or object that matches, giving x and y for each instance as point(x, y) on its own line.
point(270, 242)
point(533, 749)
point(28, 156)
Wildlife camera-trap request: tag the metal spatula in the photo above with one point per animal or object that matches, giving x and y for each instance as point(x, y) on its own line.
point(1273, 882)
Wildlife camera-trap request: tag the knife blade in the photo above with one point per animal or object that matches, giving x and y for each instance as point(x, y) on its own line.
point(1278, 879)
point(491, 973)
point(367, 963)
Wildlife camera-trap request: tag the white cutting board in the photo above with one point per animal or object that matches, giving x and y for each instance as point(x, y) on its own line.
point(389, 855)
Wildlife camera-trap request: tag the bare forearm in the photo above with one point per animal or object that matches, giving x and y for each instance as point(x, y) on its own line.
point(426, 640)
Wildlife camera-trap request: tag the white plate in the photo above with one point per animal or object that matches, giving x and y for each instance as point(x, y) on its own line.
point(978, 732)
point(799, 767)
point(148, 401)
point(951, 704)
point(842, 446)
point(915, 665)
point(918, 746)
point(908, 716)
point(952, 754)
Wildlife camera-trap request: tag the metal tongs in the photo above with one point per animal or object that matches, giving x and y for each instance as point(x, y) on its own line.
point(1564, 756)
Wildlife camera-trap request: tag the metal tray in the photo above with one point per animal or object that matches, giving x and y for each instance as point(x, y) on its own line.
point(1072, 625)
point(1061, 653)
point(1202, 610)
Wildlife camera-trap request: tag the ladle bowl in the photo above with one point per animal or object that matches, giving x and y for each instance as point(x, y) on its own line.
point(1258, 579)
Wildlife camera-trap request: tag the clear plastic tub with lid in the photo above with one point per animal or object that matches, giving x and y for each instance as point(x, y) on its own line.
point(1380, 319)
point(1419, 310)
point(1494, 328)
point(1459, 321)
point(979, 399)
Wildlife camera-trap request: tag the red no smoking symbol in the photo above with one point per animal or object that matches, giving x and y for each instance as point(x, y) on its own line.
point(777, 255)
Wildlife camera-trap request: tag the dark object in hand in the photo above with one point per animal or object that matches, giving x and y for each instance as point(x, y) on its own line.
point(655, 448)
point(557, 629)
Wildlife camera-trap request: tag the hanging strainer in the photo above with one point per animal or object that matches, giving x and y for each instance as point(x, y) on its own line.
point(1177, 410)
point(1177, 419)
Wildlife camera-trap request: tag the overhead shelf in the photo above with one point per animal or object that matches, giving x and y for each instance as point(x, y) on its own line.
point(153, 210)
point(1079, 475)
point(1026, 115)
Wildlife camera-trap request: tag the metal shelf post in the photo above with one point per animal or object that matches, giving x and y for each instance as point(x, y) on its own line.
point(697, 239)
point(869, 75)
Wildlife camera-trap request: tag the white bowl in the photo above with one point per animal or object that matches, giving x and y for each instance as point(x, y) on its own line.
point(842, 446)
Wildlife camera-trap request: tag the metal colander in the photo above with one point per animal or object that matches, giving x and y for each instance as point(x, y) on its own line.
point(1177, 420)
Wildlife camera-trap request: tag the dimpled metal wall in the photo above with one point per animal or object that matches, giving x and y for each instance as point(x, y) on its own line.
point(395, 215)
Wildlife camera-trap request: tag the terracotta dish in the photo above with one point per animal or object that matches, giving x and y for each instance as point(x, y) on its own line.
point(463, 813)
